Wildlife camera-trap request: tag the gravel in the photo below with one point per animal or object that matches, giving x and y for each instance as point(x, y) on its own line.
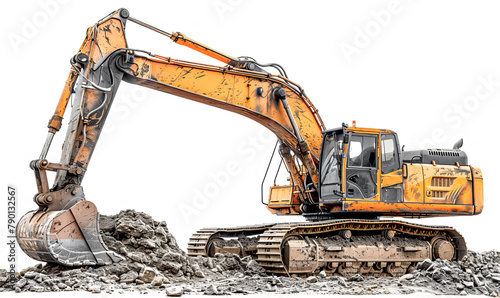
point(154, 262)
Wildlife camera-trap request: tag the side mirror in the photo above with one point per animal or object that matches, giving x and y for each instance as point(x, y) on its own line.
point(458, 144)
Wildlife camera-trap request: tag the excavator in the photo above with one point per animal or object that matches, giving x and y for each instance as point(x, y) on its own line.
point(342, 180)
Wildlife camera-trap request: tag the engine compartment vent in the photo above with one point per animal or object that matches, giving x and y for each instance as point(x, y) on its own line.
point(442, 181)
point(444, 153)
point(440, 156)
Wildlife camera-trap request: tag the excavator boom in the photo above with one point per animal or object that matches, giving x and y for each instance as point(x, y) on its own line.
point(64, 229)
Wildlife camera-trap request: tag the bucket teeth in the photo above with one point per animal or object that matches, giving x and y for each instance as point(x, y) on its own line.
point(68, 237)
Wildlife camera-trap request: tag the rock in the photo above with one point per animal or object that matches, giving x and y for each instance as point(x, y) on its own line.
point(48, 282)
point(407, 276)
point(107, 224)
point(460, 286)
point(137, 256)
point(424, 265)
point(446, 269)
point(21, 283)
point(230, 262)
point(342, 281)
point(114, 277)
point(322, 274)
point(136, 228)
point(356, 277)
point(496, 279)
point(270, 288)
point(40, 277)
point(147, 243)
point(438, 275)
point(239, 275)
point(30, 274)
point(158, 280)
point(197, 271)
point(211, 290)
point(147, 274)
point(468, 284)
point(71, 282)
point(463, 293)
point(312, 279)
point(37, 289)
point(170, 266)
point(210, 263)
point(129, 277)
point(95, 289)
point(253, 267)
point(33, 268)
point(3, 279)
point(62, 286)
point(477, 282)
point(104, 279)
point(174, 291)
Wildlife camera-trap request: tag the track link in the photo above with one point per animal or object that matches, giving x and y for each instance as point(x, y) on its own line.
point(199, 243)
point(269, 249)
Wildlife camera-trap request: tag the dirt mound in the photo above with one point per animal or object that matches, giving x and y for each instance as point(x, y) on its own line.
point(152, 259)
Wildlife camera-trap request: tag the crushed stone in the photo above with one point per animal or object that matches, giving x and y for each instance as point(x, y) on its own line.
point(154, 262)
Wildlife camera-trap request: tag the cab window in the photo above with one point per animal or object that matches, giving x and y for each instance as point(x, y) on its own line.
point(390, 158)
point(362, 151)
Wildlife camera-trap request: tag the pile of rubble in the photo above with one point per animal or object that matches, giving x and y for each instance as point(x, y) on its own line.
point(477, 273)
point(154, 262)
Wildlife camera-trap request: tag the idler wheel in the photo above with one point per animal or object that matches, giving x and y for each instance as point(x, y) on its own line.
point(443, 249)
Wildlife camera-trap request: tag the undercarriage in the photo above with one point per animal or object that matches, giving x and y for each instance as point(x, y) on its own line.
point(338, 247)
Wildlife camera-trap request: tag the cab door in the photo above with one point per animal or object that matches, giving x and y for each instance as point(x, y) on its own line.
point(391, 180)
point(362, 166)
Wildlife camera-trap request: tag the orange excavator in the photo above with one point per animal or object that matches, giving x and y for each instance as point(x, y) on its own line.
point(342, 180)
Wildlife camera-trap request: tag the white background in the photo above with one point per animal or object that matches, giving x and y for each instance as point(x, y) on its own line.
point(418, 62)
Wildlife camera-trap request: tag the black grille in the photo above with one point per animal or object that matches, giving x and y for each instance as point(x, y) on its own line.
point(444, 153)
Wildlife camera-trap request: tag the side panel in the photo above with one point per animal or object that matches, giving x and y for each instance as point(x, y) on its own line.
point(478, 190)
point(414, 184)
point(409, 209)
point(391, 185)
point(447, 184)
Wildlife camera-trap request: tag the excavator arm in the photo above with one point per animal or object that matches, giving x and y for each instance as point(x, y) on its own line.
point(64, 229)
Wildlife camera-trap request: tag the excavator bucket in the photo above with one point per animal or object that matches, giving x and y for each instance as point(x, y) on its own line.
point(69, 237)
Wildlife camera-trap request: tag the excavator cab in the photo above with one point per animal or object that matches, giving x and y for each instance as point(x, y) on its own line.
point(352, 161)
point(364, 173)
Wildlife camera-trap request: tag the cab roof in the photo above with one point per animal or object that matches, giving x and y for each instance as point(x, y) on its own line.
point(361, 130)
